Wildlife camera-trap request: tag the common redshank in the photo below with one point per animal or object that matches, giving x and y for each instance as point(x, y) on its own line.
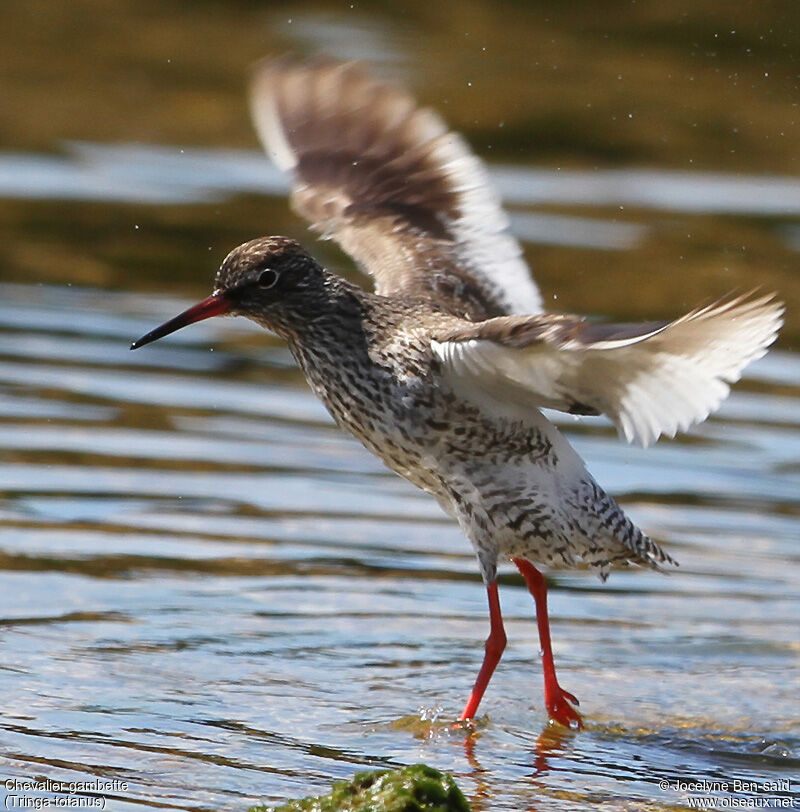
point(442, 371)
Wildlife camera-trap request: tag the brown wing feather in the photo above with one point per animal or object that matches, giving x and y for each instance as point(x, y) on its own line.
point(562, 331)
point(388, 181)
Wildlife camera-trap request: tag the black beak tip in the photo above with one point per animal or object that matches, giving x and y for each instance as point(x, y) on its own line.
point(147, 338)
point(215, 305)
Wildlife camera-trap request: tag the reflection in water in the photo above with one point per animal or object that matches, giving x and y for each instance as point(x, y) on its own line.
point(159, 174)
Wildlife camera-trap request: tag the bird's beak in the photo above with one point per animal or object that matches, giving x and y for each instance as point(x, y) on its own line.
point(216, 304)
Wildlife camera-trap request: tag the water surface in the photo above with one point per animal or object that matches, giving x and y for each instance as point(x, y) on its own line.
point(211, 595)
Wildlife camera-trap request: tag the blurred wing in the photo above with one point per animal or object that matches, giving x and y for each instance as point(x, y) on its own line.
point(399, 192)
point(650, 379)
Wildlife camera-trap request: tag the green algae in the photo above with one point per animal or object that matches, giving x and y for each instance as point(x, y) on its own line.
point(417, 788)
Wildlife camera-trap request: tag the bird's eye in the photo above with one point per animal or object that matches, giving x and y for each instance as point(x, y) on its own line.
point(267, 278)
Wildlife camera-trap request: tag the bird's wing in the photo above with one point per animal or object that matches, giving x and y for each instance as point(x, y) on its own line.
point(650, 379)
point(400, 193)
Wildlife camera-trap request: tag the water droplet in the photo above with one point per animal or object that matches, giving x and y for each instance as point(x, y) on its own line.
point(776, 749)
point(430, 714)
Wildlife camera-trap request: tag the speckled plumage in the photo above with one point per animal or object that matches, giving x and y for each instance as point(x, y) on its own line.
point(441, 371)
point(510, 478)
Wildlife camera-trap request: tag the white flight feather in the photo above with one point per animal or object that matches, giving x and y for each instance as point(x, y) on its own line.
point(655, 384)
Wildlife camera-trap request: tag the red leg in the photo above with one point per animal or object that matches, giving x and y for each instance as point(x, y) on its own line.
point(495, 645)
point(555, 697)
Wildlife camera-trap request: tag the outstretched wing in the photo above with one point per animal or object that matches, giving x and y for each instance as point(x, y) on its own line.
point(400, 193)
point(650, 379)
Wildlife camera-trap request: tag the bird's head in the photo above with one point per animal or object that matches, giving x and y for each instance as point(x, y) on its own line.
point(271, 280)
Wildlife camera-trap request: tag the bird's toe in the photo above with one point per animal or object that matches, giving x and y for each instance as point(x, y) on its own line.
point(560, 709)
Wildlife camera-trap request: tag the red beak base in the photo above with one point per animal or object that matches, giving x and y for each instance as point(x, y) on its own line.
point(216, 304)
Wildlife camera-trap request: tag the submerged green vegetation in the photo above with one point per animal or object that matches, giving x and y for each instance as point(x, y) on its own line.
point(417, 788)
